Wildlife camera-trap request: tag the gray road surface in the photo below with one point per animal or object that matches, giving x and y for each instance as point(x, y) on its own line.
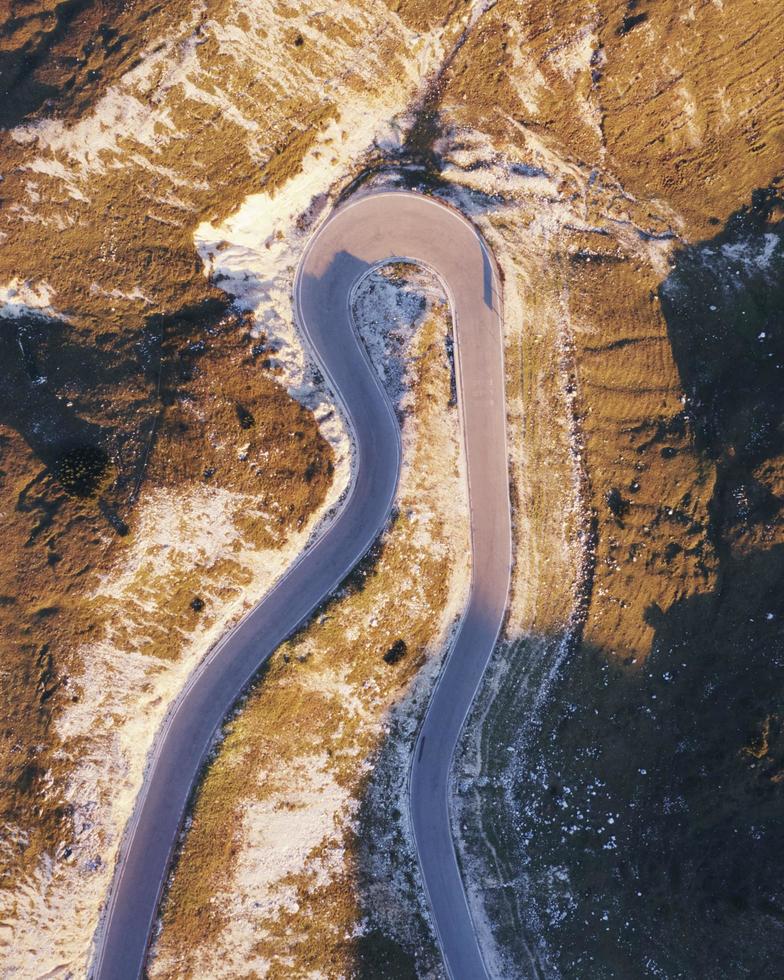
point(372, 230)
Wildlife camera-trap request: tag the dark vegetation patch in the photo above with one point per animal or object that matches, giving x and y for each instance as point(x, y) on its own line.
point(629, 22)
point(245, 417)
point(450, 353)
point(81, 470)
point(396, 652)
point(617, 504)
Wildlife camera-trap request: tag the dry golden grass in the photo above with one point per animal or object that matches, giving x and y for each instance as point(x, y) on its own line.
point(426, 16)
point(115, 243)
point(590, 81)
point(648, 485)
point(572, 87)
point(58, 550)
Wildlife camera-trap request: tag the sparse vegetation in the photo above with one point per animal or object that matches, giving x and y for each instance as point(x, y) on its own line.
point(284, 753)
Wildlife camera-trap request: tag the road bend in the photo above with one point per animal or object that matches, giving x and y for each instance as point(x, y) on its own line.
point(370, 231)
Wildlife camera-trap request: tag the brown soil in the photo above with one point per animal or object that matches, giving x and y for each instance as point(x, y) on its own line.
point(60, 56)
point(664, 101)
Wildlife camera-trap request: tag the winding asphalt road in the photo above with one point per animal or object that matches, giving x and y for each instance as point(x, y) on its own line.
point(372, 230)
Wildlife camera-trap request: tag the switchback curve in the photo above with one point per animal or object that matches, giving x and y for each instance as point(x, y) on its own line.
point(369, 231)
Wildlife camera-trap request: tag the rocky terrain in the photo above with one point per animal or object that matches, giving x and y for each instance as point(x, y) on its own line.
point(166, 448)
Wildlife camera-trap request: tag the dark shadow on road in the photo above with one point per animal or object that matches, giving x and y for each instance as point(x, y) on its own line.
point(344, 268)
point(487, 278)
